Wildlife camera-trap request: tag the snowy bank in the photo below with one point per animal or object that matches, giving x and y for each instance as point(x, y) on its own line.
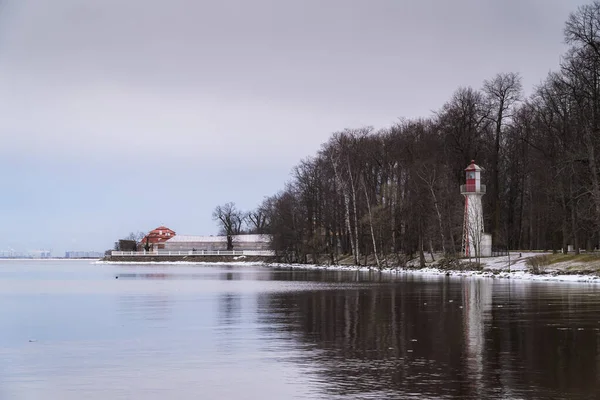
point(505, 267)
point(432, 271)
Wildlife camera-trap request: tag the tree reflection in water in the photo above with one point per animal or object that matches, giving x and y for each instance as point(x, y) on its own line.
point(446, 337)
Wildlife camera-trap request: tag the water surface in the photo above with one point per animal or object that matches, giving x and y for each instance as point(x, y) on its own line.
point(76, 330)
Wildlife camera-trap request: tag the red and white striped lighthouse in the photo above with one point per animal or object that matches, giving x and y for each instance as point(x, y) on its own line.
point(475, 242)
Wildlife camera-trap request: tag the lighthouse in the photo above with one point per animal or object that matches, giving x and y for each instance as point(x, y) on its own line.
point(475, 243)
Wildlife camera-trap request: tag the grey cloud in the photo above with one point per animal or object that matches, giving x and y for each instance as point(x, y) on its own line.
point(298, 51)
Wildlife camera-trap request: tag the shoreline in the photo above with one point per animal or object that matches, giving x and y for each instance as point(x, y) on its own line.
point(432, 271)
point(497, 270)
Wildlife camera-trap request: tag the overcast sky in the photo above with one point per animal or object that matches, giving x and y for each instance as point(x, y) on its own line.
point(122, 115)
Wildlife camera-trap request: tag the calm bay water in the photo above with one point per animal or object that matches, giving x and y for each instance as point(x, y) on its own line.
point(72, 330)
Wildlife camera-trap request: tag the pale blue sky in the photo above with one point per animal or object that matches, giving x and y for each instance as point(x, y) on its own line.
point(121, 115)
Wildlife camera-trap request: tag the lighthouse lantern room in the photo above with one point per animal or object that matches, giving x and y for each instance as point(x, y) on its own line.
point(475, 243)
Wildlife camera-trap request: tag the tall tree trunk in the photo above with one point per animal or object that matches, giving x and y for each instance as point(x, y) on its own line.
point(565, 229)
point(393, 206)
point(371, 224)
point(347, 209)
point(520, 221)
point(573, 205)
point(496, 176)
point(421, 240)
point(430, 182)
point(356, 237)
point(439, 217)
point(431, 249)
point(531, 232)
point(589, 144)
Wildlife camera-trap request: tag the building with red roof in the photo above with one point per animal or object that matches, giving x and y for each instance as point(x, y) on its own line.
point(157, 237)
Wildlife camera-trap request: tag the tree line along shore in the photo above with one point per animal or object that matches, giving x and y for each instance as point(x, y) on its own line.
point(394, 192)
point(390, 197)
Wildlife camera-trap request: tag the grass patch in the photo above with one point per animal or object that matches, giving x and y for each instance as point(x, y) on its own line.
point(588, 257)
point(549, 259)
point(538, 263)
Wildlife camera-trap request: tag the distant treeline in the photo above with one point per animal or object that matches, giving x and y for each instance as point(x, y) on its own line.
point(396, 190)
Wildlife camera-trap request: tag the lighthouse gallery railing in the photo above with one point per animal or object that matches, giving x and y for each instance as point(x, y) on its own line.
point(471, 188)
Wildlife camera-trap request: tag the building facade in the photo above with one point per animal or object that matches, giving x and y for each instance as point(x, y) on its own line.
point(240, 242)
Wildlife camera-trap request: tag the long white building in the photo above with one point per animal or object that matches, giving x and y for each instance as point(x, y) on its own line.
point(240, 242)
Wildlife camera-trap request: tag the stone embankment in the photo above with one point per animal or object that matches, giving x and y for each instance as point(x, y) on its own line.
point(519, 265)
point(188, 258)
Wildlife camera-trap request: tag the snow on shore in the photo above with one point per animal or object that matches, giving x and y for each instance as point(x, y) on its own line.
point(495, 270)
point(503, 267)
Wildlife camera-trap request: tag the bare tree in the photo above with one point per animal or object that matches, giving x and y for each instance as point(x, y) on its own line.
point(230, 220)
point(137, 236)
point(344, 187)
point(581, 70)
point(374, 241)
point(543, 179)
point(582, 29)
point(503, 92)
point(257, 220)
point(463, 121)
point(129, 242)
point(428, 176)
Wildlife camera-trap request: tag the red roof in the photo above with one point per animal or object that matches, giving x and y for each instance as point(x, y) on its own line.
point(473, 167)
point(158, 235)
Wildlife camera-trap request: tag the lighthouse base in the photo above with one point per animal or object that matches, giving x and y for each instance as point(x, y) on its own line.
point(483, 250)
point(486, 245)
